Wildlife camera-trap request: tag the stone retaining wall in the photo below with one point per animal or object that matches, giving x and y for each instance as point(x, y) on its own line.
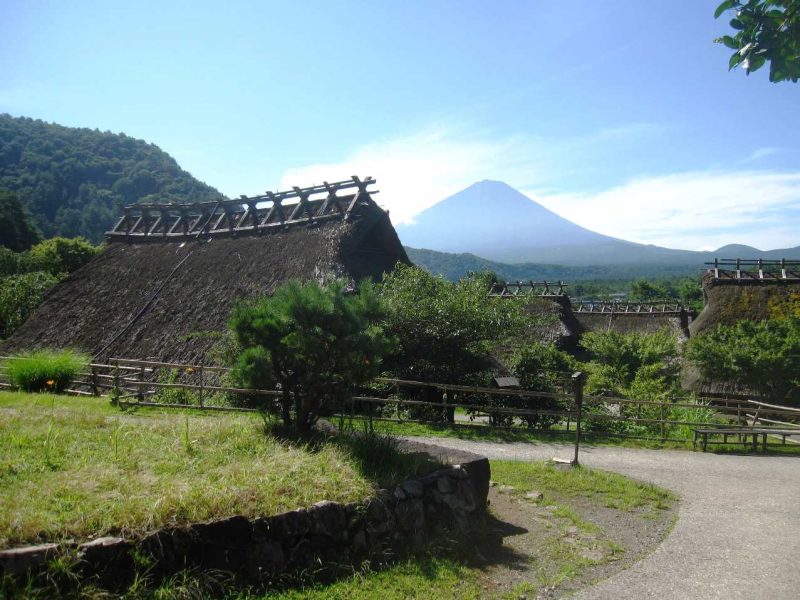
point(451, 500)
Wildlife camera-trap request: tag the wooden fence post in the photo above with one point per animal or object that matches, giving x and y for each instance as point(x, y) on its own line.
point(140, 386)
point(200, 391)
point(578, 380)
point(115, 393)
point(661, 409)
point(95, 391)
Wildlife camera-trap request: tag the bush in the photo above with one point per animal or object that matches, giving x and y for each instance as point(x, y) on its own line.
point(19, 297)
point(541, 368)
point(45, 370)
point(59, 256)
point(763, 356)
point(317, 342)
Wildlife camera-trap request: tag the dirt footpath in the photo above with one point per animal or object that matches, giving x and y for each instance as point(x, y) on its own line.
point(738, 529)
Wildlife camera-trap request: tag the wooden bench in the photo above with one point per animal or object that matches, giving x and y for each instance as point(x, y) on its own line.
point(742, 433)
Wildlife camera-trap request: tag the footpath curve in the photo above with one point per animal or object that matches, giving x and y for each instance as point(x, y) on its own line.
point(738, 529)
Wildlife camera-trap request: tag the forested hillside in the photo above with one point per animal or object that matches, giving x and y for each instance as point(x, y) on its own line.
point(73, 181)
point(455, 266)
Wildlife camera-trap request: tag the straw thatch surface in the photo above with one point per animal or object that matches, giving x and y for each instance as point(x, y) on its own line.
point(728, 302)
point(636, 322)
point(559, 325)
point(94, 304)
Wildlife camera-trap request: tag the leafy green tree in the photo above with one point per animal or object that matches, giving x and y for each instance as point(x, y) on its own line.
point(766, 31)
point(542, 368)
point(690, 293)
point(619, 359)
point(17, 231)
point(316, 342)
point(19, 297)
point(444, 330)
point(760, 355)
point(59, 256)
point(643, 290)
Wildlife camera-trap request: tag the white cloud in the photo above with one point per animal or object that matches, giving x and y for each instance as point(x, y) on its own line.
point(694, 210)
point(413, 172)
point(700, 210)
point(418, 170)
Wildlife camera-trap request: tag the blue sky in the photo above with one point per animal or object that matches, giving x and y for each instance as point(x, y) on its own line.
point(619, 115)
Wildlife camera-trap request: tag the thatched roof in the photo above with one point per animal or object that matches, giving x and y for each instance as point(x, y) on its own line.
point(729, 301)
point(559, 326)
point(160, 297)
point(636, 322)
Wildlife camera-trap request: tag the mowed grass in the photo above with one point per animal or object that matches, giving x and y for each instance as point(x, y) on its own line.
point(612, 490)
point(421, 577)
point(74, 467)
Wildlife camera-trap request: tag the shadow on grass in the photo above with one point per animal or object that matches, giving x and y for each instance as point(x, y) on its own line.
point(377, 456)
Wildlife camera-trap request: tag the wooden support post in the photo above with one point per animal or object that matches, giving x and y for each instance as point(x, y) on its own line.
point(95, 390)
point(140, 386)
point(578, 380)
point(200, 391)
point(115, 392)
point(661, 409)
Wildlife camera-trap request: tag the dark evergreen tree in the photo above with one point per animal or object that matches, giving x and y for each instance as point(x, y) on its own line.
point(17, 231)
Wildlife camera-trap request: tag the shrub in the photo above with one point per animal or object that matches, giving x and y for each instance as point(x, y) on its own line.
point(317, 342)
point(45, 370)
point(19, 297)
point(541, 368)
point(764, 356)
point(59, 255)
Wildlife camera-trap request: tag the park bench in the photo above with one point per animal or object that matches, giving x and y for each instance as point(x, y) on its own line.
point(742, 433)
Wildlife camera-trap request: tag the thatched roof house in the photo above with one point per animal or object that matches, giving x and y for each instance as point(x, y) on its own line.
point(164, 286)
point(754, 290)
point(634, 317)
point(550, 303)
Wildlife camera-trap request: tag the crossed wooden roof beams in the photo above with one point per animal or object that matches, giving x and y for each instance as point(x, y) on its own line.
point(245, 215)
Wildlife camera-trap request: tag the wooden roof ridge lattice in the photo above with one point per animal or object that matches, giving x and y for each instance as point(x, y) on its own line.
point(738, 269)
point(528, 288)
point(246, 214)
point(628, 308)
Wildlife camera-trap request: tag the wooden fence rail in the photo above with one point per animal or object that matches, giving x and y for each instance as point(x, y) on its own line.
point(135, 383)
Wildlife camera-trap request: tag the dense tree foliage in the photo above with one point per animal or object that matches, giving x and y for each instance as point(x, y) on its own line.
point(316, 342)
point(766, 31)
point(17, 231)
point(26, 276)
point(57, 256)
point(686, 290)
point(611, 277)
point(73, 181)
point(60, 256)
point(763, 356)
point(544, 368)
point(19, 297)
point(444, 330)
point(621, 363)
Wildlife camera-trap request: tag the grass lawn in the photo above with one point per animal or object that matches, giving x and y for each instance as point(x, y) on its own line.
point(610, 489)
point(73, 467)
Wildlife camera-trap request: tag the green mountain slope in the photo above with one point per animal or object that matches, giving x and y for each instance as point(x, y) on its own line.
point(73, 181)
point(454, 266)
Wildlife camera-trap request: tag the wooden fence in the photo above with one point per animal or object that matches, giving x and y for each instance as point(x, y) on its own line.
point(142, 383)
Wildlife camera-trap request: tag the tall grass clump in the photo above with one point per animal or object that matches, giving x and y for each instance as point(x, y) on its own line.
point(45, 370)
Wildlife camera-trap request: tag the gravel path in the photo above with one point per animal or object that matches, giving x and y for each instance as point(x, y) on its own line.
point(738, 529)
